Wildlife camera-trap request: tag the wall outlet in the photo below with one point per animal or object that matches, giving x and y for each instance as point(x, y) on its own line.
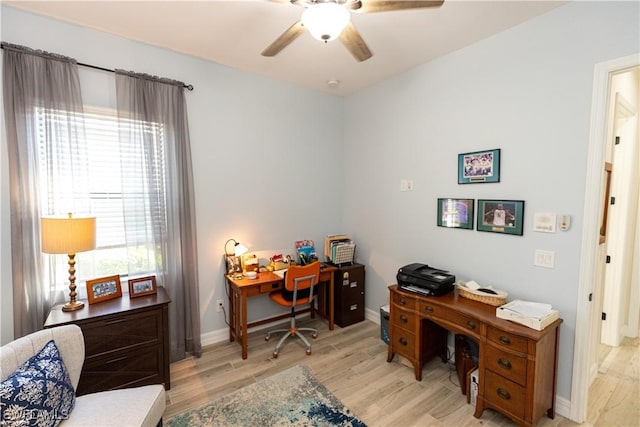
point(219, 305)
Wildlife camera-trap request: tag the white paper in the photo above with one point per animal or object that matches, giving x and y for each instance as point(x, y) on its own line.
point(534, 310)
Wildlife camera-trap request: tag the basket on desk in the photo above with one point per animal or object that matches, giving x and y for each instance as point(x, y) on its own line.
point(496, 300)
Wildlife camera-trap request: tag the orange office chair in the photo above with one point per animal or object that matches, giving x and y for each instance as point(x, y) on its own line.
point(299, 284)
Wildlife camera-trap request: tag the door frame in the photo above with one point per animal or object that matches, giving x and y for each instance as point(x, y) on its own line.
point(594, 189)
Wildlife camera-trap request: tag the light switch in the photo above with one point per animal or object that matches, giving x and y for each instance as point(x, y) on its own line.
point(406, 185)
point(544, 258)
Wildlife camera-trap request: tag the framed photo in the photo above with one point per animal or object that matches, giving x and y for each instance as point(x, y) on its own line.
point(455, 213)
point(142, 286)
point(501, 216)
point(103, 289)
point(479, 167)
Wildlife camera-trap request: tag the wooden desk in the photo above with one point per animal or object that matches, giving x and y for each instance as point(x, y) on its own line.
point(517, 365)
point(242, 289)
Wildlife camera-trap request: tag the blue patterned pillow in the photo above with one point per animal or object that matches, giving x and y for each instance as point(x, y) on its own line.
point(38, 393)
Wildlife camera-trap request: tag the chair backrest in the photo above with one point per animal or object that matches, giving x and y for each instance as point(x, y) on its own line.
point(301, 278)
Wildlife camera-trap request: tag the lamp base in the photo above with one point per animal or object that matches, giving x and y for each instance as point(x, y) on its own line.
point(73, 306)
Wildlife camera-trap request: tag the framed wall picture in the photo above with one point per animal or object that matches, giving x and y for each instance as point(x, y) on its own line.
point(501, 216)
point(103, 289)
point(479, 167)
point(455, 213)
point(142, 286)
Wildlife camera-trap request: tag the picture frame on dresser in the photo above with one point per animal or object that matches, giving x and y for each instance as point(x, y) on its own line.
point(103, 289)
point(142, 286)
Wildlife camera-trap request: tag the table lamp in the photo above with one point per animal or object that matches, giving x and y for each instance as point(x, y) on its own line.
point(68, 235)
point(234, 264)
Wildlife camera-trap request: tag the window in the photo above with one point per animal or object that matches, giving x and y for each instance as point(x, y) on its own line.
point(90, 179)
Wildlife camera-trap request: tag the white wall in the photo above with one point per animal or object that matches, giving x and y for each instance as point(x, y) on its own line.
point(527, 91)
point(267, 172)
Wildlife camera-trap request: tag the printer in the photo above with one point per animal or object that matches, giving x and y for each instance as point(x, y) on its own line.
point(425, 280)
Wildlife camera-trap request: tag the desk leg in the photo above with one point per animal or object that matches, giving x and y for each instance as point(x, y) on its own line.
point(331, 297)
point(243, 308)
point(232, 311)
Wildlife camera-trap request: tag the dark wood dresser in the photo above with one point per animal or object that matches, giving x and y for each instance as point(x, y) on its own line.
point(517, 365)
point(126, 341)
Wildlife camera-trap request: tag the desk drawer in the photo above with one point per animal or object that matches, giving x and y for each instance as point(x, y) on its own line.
point(504, 394)
point(404, 301)
point(404, 319)
point(268, 287)
point(466, 323)
point(507, 340)
point(506, 364)
point(403, 342)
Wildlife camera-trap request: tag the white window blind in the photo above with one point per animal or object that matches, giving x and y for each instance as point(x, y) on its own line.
point(89, 179)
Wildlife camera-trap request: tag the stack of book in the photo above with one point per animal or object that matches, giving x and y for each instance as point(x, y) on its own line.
point(339, 249)
point(535, 315)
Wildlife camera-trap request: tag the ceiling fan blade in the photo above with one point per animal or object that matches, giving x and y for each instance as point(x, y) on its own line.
point(372, 6)
point(284, 40)
point(351, 39)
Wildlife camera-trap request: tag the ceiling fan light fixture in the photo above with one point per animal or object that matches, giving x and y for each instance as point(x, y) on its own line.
point(325, 21)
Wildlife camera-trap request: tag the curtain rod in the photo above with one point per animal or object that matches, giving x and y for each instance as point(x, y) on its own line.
point(95, 67)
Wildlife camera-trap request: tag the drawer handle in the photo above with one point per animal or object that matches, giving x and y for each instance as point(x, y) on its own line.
point(112, 322)
point(471, 324)
point(117, 360)
point(403, 341)
point(428, 309)
point(504, 340)
point(404, 319)
point(504, 363)
point(504, 394)
point(403, 301)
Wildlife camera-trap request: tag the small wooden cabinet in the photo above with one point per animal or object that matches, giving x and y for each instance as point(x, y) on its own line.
point(517, 365)
point(348, 305)
point(126, 341)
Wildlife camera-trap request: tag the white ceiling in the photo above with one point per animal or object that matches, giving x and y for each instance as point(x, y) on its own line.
point(234, 32)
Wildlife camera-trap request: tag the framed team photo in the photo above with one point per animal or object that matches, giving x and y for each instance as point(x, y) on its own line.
point(142, 286)
point(103, 289)
point(479, 167)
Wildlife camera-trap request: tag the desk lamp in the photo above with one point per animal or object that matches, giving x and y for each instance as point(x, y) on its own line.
point(68, 235)
point(233, 258)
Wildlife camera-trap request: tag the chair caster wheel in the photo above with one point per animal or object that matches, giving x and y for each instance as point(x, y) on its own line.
point(275, 355)
point(308, 352)
point(314, 336)
point(266, 338)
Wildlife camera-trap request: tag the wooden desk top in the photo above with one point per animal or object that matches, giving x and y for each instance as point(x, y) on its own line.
point(268, 277)
point(483, 312)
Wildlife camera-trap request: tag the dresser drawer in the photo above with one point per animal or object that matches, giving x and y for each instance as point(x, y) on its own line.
point(466, 323)
point(404, 319)
point(404, 301)
point(122, 369)
point(506, 364)
point(403, 342)
point(504, 394)
point(126, 331)
point(507, 340)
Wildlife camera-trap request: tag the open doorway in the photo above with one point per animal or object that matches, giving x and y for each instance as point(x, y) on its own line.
point(592, 297)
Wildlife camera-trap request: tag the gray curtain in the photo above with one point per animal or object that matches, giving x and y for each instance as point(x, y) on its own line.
point(153, 117)
point(37, 83)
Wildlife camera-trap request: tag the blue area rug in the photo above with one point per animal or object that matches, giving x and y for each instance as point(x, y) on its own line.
point(290, 398)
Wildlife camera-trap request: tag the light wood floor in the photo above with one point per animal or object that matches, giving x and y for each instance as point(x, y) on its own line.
point(351, 363)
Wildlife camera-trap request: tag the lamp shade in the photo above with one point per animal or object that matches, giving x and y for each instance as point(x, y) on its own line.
point(325, 21)
point(67, 235)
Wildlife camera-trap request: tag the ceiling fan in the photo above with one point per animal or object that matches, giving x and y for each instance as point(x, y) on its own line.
point(330, 19)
